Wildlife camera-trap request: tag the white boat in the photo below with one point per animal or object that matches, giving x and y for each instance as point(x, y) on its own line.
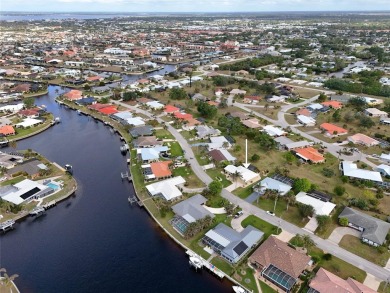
point(37, 212)
point(79, 112)
point(196, 262)
point(239, 289)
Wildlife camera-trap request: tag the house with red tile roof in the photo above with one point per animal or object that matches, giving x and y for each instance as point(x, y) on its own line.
point(327, 282)
point(7, 130)
point(94, 78)
point(169, 109)
point(332, 130)
point(29, 113)
point(251, 99)
point(108, 110)
point(161, 170)
point(304, 112)
point(183, 116)
point(73, 95)
point(333, 104)
point(310, 154)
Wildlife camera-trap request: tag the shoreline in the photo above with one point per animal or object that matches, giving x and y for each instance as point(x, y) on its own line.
point(175, 240)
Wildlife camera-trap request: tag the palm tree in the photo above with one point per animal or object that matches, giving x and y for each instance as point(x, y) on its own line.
point(235, 176)
point(307, 241)
point(7, 281)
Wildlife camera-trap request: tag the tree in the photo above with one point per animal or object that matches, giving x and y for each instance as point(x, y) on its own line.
point(323, 222)
point(339, 190)
point(343, 221)
point(177, 94)
point(305, 210)
point(255, 158)
point(131, 96)
point(29, 103)
point(322, 98)
point(6, 280)
point(215, 187)
point(206, 110)
point(336, 116)
point(289, 157)
point(307, 241)
point(366, 122)
point(301, 184)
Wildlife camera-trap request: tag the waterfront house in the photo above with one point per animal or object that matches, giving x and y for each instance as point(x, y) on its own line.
point(147, 142)
point(24, 191)
point(29, 113)
point(279, 263)
point(28, 122)
point(73, 95)
point(374, 231)
point(148, 155)
point(9, 161)
point(157, 170)
point(145, 130)
point(30, 168)
point(7, 130)
point(86, 101)
point(166, 189)
point(189, 211)
point(327, 282)
point(230, 244)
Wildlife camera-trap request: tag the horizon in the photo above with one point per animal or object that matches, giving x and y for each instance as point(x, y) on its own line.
point(187, 6)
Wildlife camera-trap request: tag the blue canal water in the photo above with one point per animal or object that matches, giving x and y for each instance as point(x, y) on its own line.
point(94, 241)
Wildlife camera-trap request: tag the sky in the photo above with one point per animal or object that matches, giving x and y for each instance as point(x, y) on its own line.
point(191, 5)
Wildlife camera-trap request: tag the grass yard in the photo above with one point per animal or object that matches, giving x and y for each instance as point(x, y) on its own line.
point(217, 174)
point(176, 150)
point(244, 192)
point(384, 287)
point(355, 245)
point(192, 181)
point(12, 181)
point(291, 215)
point(290, 118)
point(306, 93)
point(260, 224)
point(245, 276)
point(163, 134)
point(222, 265)
point(271, 113)
point(337, 266)
point(265, 288)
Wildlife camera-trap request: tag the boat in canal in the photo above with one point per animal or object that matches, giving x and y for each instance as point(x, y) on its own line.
point(37, 212)
point(69, 168)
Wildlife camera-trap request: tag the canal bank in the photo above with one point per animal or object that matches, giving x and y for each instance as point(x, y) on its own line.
point(95, 241)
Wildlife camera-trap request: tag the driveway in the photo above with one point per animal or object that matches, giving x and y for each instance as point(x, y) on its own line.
point(372, 282)
point(236, 223)
point(312, 225)
point(339, 233)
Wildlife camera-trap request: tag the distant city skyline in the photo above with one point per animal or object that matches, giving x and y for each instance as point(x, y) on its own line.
point(192, 6)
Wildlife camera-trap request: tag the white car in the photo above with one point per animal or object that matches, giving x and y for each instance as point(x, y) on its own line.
point(271, 213)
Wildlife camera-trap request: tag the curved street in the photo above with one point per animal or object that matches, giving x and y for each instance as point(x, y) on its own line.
point(248, 208)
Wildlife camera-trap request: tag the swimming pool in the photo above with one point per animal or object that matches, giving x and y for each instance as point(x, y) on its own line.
point(53, 185)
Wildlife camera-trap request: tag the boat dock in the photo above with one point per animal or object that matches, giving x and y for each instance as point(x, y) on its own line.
point(49, 205)
point(198, 262)
point(125, 175)
point(134, 199)
point(7, 225)
point(37, 212)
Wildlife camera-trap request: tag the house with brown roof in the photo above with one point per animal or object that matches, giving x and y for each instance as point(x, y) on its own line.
point(279, 263)
point(73, 95)
point(147, 142)
point(310, 154)
point(304, 112)
point(326, 282)
point(363, 139)
point(157, 170)
point(332, 130)
point(6, 130)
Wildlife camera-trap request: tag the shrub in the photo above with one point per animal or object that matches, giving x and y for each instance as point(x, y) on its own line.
point(339, 190)
point(343, 222)
point(327, 256)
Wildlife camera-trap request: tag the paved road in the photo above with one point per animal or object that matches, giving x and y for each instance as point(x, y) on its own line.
point(323, 244)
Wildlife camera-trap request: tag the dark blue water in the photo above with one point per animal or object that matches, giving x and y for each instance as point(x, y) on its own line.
point(94, 241)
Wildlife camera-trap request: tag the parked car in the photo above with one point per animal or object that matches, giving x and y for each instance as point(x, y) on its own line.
point(271, 213)
point(238, 214)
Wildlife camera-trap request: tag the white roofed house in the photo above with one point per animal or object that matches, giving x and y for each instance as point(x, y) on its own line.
point(274, 131)
point(155, 105)
point(24, 191)
point(351, 170)
point(203, 131)
point(241, 175)
point(219, 142)
point(383, 169)
point(166, 189)
point(320, 207)
point(374, 112)
point(269, 183)
point(306, 121)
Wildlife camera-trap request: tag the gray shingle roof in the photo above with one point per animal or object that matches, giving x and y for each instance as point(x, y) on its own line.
point(192, 209)
point(374, 229)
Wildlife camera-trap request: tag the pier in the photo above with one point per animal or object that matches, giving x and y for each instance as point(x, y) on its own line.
point(198, 262)
point(49, 205)
point(125, 175)
point(37, 212)
point(7, 225)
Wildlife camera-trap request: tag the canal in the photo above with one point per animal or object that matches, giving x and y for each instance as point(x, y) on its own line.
point(94, 241)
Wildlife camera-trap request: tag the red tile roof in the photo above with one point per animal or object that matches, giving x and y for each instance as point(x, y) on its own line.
point(310, 154)
point(303, 112)
point(171, 109)
point(333, 104)
point(108, 110)
point(7, 130)
point(73, 95)
point(184, 116)
point(161, 169)
point(332, 129)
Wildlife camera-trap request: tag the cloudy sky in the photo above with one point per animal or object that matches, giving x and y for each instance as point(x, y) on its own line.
point(191, 5)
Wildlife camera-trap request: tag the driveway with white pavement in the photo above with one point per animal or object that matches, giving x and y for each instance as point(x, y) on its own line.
point(326, 245)
point(339, 232)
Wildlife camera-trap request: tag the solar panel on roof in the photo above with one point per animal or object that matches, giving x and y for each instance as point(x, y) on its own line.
point(240, 248)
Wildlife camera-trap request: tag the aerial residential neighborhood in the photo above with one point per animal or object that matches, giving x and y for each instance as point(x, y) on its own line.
point(257, 144)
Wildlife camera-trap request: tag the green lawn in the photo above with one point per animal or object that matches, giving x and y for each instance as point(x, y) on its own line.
point(384, 288)
point(176, 150)
point(260, 224)
point(337, 266)
point(12, 181)
point(244, 192)
point(163, 134)
point(355, 245)
point(244, 273)
point(291, 215)
point(222, 265)
point(216, 201)
point(192, 181)
point(265, 288)
point(216, 174)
